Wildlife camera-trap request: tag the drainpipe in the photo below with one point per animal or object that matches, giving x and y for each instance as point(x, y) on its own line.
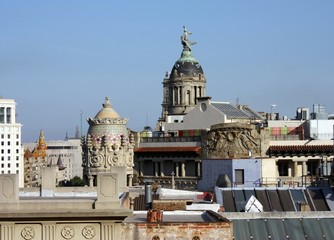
point(148, 195)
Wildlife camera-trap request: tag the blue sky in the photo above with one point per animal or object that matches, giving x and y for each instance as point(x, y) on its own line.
point(58, 58)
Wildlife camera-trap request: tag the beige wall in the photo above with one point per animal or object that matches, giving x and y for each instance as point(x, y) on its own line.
point(269, 171)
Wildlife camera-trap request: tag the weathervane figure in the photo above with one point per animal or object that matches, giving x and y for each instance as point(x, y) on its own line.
point(184, 39)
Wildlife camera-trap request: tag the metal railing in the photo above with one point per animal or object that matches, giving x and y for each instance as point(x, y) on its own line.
point(169, 139)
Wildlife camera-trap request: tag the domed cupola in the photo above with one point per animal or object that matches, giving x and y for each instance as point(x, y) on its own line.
point(187, 65)
point(184, 84)
point(107, 124)
point(108, 145)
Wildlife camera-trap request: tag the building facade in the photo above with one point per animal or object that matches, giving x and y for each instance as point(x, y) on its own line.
point(10, 137)
point(70, 153)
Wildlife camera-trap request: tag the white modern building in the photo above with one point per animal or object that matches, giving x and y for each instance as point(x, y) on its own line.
point(70, 152)
point(11, 157)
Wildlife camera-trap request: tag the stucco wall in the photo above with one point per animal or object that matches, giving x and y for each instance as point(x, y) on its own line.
point(252, 171)
point(212, 168)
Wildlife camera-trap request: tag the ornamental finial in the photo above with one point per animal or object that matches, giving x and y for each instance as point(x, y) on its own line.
point(106, 103)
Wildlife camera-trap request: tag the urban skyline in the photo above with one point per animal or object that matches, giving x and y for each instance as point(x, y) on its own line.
point(60, 59)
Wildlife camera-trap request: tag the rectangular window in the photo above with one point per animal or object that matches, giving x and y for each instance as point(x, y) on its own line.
point(8, 165)
point(17, 158)
point(2, 136)
point(17, 136)
point(2, 151)
point(17, 171)
point(9, 115)
point(8, 136)
point(8, 158)
point(8, 151)
point(283, 168)
point(2, 165)
point(17, 165)
point(2, 143)
point(8, 143)
point(17, 143)
point(239, 176)
point(2, 158)
point(2, 115)
point(17, 151)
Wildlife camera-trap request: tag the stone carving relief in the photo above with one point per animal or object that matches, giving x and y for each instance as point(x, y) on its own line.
point(28, 233)
point(88, 232)
point(104, 153)
point(233, 140)
point(68, 232)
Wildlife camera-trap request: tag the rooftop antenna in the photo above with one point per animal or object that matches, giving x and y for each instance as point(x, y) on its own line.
point(238, 98)
point(81, 122)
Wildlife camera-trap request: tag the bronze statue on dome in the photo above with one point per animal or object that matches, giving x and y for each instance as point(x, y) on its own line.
point(185, 41)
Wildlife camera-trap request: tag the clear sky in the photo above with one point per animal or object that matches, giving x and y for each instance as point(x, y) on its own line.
point(58, 58)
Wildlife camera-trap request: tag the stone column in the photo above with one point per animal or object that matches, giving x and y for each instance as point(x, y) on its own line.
point(141, 172)
point(130, 177)
point(7, 231)
point(295, 166)
point(177, 164)
point(156, 168)
point(198, 169)
point(162, 169)
point(304, 168)
point(49, 231)
point(91, 180)
point(107, 231)
point(180, 96)
point(183, 169)
point(132, 203)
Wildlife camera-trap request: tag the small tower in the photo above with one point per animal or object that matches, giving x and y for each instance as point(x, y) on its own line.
point(108, 145)
point(183, 85)
point(33, 162)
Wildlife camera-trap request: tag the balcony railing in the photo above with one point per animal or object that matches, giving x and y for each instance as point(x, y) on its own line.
point(169, 139)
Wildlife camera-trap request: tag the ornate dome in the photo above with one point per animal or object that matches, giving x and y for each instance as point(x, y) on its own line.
point(107, 111)
point(187, 65)
point(107, 125)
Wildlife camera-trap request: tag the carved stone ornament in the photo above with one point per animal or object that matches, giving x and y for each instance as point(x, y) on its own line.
point(96, 160)
point(88, 232)
point(28, 233)
point(232, 141)
point(68, 232)
point(101, 121)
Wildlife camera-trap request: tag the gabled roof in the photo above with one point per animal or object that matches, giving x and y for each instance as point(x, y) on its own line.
point(232, 111)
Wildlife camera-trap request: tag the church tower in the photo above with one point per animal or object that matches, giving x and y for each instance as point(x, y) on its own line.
point(182, 86)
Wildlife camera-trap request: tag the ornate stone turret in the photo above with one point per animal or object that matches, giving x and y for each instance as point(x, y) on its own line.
point(184, 84)
point(108, 145)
